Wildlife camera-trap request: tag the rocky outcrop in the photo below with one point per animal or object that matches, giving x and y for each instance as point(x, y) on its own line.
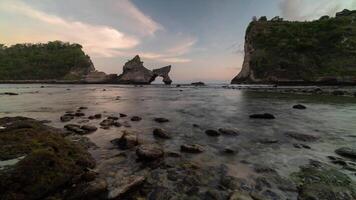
point(284, 52)
point(135, 73)
point(100, 77)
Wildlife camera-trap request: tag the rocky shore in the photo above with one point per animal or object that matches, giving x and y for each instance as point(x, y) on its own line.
point(41, 162)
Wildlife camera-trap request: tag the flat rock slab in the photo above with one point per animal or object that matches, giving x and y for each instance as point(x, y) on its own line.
point(125, 185)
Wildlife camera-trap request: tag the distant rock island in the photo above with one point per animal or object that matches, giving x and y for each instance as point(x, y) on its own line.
point(135, 73)
point(59, 62)
point(316, 52)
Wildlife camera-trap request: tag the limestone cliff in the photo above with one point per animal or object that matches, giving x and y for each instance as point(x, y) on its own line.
point(316, 52)
point(135, 73)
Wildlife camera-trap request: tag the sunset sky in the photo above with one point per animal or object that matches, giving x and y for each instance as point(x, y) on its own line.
point(201, 39)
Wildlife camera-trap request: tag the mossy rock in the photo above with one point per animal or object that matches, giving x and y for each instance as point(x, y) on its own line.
point(50, 165)
point(324, 183)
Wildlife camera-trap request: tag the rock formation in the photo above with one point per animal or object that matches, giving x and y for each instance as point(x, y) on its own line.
point(135, 73)
point(317, 52)
point(100, 77)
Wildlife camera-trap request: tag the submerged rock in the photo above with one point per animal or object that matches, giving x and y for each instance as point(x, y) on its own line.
point(161, 120)
point(195, 148)
point(149, 152)
point(75, 128)
point(161, 133)
point(262, 116)
point(302, 137)
point(9, 93)
point(213, 133)
point(346, 152)
point(300, 107)
point(226, 131)
point(89, 128)
point(125, 185)
point(128, 140)
point(198, 84)
point(136, 118)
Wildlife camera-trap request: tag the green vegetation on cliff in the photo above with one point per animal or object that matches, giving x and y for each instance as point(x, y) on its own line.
point(54, 60)
point(320, 50)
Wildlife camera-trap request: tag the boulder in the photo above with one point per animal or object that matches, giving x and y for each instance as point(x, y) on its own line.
point(262, 116)
point(149, 152)
point(194, 148)
point(75, 128)
point(161, 133)
point(89, 128)
point(300, 107)
point(128, 140)
point(213, 133)
point(161, 120)
point(346, 152)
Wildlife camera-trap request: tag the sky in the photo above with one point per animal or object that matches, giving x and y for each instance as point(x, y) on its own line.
point(202, 39)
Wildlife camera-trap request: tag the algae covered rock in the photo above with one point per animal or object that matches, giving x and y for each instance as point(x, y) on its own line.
point(321, 182)
point(50, 163)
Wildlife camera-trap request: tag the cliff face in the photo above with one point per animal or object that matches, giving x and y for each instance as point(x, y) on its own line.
point(317, 52)
point(52, 61)
point(135, 73)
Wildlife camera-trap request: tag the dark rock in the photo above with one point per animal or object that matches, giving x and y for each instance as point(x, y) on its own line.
point(302, 137)
point(10, 93)
point(268, 141)
point(136, 118)
point(228, 150)
point(83, 108)
point(346, 152)
point(161, 133)
point(196, 126)
point(213, 133)
point(79, 114)
point(149, 152)
point(97, 116)
point(117, 124)
point(128, 140)
point(66, 118)
point(89, 128)
point(195, 148)
point(231, 132)
point(75, 128)
point(299, 106)
point(262, 116)
point(122, 115)
point(161, 193)
point(113, 118)
point(198, 84)
point(107, 123)
point(161, 120)
point(299, 146)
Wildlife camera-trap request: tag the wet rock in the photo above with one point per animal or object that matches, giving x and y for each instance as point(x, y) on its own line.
point(262, 116)
point(161, 193)
point(75, 128)
point(9, 93)
point(302, 137)
point(198, 84)
point(213, 194)
point(231, 132)
point(267, 141)
point(96, 189)
point(117, 124)
point(161, 120)
point(136, 118)
point(97, 116)
point(45, 121)
point(213, 133)
point(229, 150)
point(322, 182)
point(126, 141)
point(66, 118)
point(161, 133)
point(79, 114)
point(195, 148)
point(149, 152)
point(173, 154)
point(107, 123)
point(113, 118)
point(300, 107)
point(125, 185)
point(346, 152)
point(126, 124)
point(89, 128)
point(300, 146)
point(196, 126)
point(83, 108)
point(122, 115)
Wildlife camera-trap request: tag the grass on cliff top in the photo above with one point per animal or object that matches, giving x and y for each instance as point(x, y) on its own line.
point(309, 50)
point(51, 162)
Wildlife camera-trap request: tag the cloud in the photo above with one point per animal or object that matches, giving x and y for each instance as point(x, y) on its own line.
point(307, 10)
point(146, 25)
point(97, 40)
